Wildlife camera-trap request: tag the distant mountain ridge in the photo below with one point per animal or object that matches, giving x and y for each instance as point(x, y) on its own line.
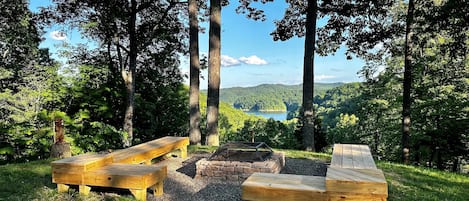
point(269, 97)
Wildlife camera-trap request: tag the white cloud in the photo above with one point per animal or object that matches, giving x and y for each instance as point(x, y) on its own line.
point(58, 35)
point(323, 77)
point(253, 60)
point(227, 61)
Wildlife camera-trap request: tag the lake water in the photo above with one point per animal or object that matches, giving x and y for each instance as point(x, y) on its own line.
point(280, 116)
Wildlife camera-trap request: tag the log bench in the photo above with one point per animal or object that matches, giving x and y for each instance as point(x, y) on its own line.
point(120, 169)
point(352, 175)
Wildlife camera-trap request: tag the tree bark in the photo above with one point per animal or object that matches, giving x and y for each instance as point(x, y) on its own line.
point(406, 103)
point(194, 111)
point(213, 96)
point(308, 77)
point(129, 75)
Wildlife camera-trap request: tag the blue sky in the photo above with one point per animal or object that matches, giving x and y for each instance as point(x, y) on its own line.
point(249, 55)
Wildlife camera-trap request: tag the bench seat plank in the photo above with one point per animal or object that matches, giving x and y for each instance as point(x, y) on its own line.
point(337, 153)
point(288, 187)
point(142, 153)
point(81, 163)
point(352, 156)
point(349, 180)
point(131, 176)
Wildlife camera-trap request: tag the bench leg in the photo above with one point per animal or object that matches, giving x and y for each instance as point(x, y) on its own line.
point(157, 189)
point(139, 194)
point(84, 190)
point(62, 188)
point(184, 152)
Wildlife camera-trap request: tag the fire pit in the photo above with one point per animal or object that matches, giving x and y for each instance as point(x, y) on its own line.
point(238, 160)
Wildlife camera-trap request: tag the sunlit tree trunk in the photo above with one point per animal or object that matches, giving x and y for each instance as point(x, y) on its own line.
point(213, 95)
point(129, 75)
point(308, 77)
point(194, 110)
point(407, 84)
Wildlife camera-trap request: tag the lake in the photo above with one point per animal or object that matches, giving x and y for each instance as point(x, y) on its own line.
point(280, 116)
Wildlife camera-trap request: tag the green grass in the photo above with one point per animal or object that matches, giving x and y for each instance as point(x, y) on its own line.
point(417, 183)
point(305, 155)
point(32, 181)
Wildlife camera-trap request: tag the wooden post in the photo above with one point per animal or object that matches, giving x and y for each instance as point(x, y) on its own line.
point(62, 188)
point(183, 152)
point(84, 190)
point(60, 148)
point(139, 194)
point(158, 189)
point(59, 130)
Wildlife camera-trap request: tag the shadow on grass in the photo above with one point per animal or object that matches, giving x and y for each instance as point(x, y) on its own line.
point(24, 180)
point(411, 183)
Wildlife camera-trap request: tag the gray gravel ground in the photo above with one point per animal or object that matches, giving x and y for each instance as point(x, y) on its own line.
point(180, 184)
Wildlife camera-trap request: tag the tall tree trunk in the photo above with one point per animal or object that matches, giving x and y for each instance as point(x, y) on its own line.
point(407, 84)
point(308, 77)
point(194, 111)
point(129, 75)
point(213, 96)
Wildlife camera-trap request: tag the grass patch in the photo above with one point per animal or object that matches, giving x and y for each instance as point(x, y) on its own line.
point(305, 154)
point(201, 149)
point(417, 183)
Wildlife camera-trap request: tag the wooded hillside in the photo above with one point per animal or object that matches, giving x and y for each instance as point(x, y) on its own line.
point(269, 97)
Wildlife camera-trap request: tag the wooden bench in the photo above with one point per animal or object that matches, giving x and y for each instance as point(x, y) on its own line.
point(352, 175)
point(97, 170)
point(145, 152)
point(120, 169)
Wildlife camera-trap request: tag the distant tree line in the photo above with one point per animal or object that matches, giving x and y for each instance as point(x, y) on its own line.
point(269, 97)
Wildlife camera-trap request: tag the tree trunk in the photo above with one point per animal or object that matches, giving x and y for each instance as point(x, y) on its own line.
point(407, 84)
point(455, 166)
point(60, 150)
point(213, 95)
point(129, 76)
point(194, 111)
point(308, 77)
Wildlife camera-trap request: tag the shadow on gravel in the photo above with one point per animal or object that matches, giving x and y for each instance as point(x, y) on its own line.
point(188, 166)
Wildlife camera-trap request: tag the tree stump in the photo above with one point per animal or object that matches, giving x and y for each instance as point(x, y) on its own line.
point(60, 150)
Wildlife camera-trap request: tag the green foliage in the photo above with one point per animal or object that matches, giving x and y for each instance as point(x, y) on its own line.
point(341, 132)
point(230, 119)
point(276, 134)
point(161, 105)
point(439, 101)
